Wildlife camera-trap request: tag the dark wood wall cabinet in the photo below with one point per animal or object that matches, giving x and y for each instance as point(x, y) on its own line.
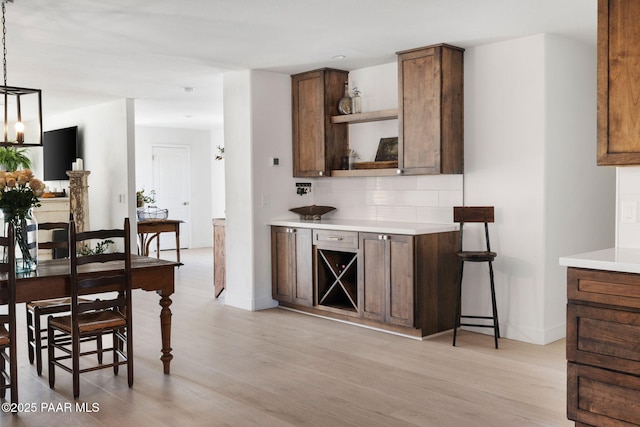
point(430, 117)
point(400, 283)
point(318, 144)
point(618, 82)
point(603, 354)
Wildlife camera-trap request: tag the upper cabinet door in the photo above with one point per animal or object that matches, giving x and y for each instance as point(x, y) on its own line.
point(318, 144)
point(430, 110)
point(618, 82)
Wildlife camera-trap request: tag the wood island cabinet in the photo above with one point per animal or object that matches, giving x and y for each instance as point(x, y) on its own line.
point(618, 82)
point(430, 110)
point(318, 144)
point(603, 332)
point(291, 265)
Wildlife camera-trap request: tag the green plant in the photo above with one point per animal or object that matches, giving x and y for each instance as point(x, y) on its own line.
point(13, 158)
point(101, 247)
point(220, 154)
point(141, 199)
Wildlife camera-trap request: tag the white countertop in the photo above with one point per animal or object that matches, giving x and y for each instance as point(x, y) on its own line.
point(408, 228)
point(613, 259)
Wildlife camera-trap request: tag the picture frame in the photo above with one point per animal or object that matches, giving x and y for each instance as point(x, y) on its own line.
point(387, 149)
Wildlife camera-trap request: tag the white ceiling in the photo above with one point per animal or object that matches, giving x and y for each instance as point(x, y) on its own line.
point(81, 52)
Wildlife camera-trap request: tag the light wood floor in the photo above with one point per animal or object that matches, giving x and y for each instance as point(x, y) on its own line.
point(279, 368)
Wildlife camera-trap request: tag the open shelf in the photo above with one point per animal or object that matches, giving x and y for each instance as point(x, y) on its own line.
point(337, 279)
point(370, 116)
point(365, 172)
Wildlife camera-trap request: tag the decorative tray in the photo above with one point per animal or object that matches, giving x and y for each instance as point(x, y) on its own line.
point(386, 164)
point(312, 212)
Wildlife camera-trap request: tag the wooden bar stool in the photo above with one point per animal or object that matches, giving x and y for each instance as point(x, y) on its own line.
point(484, 215)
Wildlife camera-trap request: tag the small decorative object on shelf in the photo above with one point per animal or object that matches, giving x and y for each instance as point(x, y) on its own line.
point(19, 192)
point(353, 156)
point(356, 101)
point(345, 103)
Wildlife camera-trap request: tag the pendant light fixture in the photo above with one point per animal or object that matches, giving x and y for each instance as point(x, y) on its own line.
point(22, 112)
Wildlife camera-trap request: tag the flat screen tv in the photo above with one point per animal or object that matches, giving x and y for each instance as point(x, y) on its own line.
point(60, 148)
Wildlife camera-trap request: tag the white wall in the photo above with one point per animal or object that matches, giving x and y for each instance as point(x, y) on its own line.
point(530, 151)
point(257, 128)
point(627, 203)
point(200, 172)
point(107, 141)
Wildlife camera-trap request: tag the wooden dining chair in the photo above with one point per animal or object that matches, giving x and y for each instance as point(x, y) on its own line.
point(8, 346)
point(483, 215)
point(57, 241)
point(90, 320)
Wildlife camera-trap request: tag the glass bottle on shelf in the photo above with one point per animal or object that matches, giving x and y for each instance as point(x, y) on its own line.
point(345, 105)
point(356, 102)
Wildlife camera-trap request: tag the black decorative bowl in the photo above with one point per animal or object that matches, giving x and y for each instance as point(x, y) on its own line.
point(312, 212)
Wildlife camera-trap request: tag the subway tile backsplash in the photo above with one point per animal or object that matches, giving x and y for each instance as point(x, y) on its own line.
point(426, 198)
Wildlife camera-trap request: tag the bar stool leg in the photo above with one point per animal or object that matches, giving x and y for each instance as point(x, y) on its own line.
point(456, 321)
point(496, 325)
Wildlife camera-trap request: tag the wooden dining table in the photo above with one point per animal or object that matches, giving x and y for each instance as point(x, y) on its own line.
point(52, 280)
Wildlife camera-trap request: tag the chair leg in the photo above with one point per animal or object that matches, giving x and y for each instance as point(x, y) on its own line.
point(13, 369)
point(496, 325)
point(456, 321)
point(30, 334)
point(129, 357)
point(99, 348)
point(75, 364)
point(3, 367)
point(50, 353)
point(117, 345)
point(37, 337)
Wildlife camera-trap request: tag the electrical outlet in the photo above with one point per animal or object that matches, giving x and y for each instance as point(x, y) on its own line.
point(303, 188)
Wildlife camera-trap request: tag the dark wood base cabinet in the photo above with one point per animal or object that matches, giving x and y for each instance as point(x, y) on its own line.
point(400, 283)
point(603, 347)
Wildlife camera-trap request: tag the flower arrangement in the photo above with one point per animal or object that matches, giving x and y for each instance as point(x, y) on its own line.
point(19, 192)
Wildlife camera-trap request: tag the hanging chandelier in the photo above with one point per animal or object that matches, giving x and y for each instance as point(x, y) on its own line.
point(22, 112)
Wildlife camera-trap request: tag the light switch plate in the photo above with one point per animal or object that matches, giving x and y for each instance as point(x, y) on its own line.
point(629, 212)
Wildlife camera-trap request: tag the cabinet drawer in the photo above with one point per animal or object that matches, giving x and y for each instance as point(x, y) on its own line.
point(603, 337)
point(604, 287)
point(336, 239)
point(601, 398)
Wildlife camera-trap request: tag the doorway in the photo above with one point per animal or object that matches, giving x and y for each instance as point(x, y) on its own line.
point(171, 182)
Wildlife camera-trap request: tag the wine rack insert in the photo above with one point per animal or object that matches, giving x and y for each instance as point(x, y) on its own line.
point(337, 279)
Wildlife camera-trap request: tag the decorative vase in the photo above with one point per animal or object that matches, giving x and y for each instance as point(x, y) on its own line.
point(344, 104)
point(356, 102)
point(26, 233)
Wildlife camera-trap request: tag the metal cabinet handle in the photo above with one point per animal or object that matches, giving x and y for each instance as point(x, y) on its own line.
point(290, 230)
point(399, 171)
point(383, 237)
point(321, 173)
point(334, 238)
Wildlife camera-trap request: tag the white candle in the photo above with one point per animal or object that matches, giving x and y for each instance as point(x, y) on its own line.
point(79, 164)
point(74, 166)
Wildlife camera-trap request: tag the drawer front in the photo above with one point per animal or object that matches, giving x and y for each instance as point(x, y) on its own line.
point(601, 398)
point(336, 239)
point(604, 287)
point(603, 337)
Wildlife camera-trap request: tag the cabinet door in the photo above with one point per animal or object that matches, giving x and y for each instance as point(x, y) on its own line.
point(430, 110)
point(387, 278)
point(291, 269)
point(400, 293)
point(618, 82)
point(372, 277)
point(318, 144)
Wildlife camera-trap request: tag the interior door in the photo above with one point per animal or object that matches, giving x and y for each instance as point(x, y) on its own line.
point(171, 183)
